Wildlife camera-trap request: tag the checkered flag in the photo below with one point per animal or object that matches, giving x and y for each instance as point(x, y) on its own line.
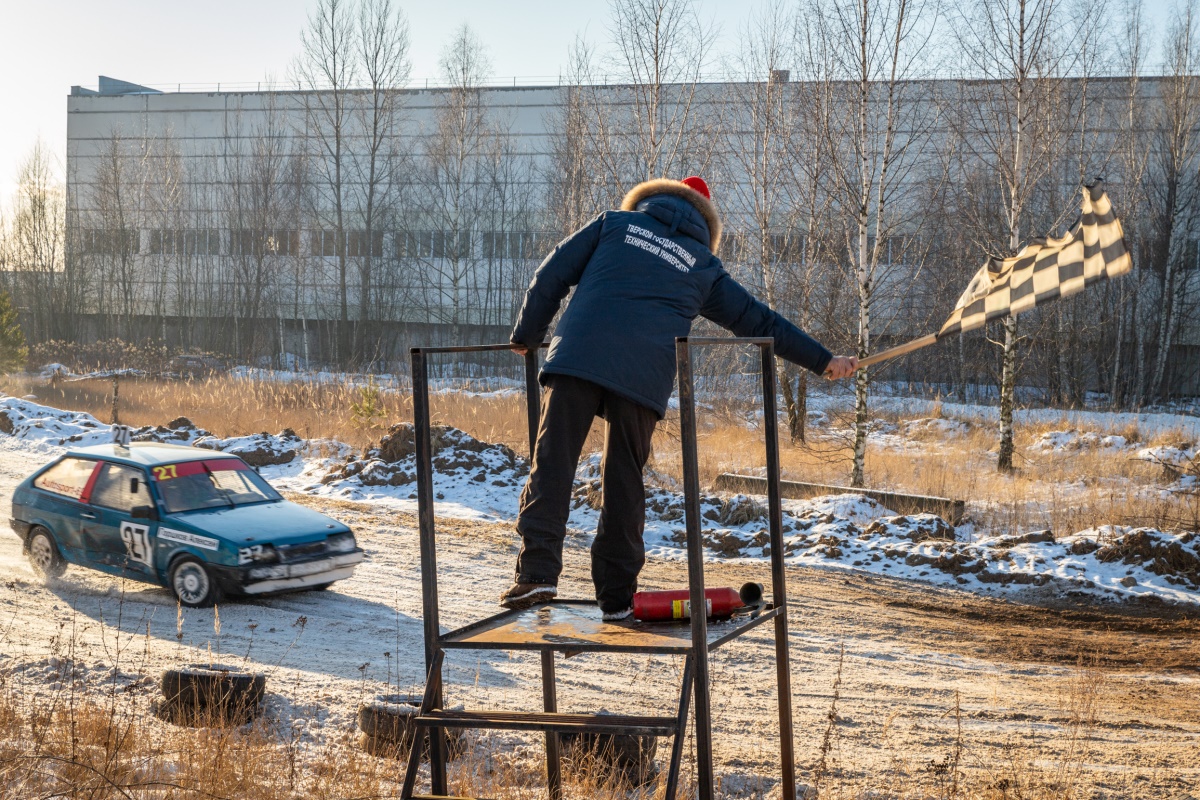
point(1044, 270)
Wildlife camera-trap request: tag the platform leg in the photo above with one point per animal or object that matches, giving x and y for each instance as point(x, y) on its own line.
point(685, 697)
point(533, 398)
point(783, 673)
point(550, 705)
point(431, 699)
point(695, 559)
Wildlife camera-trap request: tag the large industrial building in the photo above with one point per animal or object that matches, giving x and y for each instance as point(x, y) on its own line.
point(234, 221)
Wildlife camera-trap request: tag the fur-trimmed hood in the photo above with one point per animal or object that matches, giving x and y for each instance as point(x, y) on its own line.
point(706, 208)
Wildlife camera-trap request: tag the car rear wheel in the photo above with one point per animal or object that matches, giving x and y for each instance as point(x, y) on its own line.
point(44, 555)
point(193, 584)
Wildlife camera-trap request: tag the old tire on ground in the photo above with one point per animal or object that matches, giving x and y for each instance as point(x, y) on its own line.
point(43, 553)
point(387, 726)
point(211, 694)
point(192, 583)
point(632, 757)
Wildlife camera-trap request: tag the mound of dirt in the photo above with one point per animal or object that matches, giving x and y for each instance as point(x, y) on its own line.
point(1165, 554)
point(392, 461)
point(180, 430)
point(259, 449)
point(914, 527)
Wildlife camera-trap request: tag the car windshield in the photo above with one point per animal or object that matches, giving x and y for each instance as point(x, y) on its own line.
point(215, 483)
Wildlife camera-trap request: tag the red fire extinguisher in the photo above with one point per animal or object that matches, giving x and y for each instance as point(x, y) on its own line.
point(676, 603)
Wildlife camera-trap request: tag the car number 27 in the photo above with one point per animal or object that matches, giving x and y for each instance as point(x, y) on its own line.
point(137, 542)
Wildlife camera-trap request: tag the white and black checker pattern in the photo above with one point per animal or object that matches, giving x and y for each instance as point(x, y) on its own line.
point(1047, 268)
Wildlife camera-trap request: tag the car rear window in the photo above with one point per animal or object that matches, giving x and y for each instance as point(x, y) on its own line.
point(68, 477)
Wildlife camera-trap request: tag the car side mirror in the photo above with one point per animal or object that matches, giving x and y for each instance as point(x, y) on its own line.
point(144, 512)
point(134, 483)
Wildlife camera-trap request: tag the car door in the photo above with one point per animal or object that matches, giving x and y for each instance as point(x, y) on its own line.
point(60, 502)
point(114, 539)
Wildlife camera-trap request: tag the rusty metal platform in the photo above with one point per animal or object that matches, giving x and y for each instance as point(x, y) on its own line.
point(575, 626)
point(569, 627)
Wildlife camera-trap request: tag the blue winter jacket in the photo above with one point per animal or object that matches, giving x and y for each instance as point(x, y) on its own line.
point(641, 277)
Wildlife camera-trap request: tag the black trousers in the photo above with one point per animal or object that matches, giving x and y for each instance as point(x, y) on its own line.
point(568, 407)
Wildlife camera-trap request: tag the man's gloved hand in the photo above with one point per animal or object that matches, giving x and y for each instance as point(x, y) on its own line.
point(841, 367)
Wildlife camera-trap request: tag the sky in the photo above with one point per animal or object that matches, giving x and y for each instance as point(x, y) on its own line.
point(46, 46)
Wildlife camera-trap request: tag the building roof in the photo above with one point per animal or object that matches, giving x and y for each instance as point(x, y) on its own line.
point(147, 454)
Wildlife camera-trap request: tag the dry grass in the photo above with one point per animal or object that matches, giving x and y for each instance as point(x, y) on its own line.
point(84, 743)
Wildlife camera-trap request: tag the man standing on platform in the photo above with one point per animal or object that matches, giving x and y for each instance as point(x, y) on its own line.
point(641, 275)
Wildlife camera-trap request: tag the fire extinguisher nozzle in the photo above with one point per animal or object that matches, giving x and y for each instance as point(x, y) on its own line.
point(751, 593)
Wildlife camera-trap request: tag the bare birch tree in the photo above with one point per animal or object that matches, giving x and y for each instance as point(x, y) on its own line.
point(381, 45)
point(865, 55)
point(645, 125)
point(453, 196)
point(326, 67)
point(1174, 185)
point(770, 199)
point(35, 247)
point(1011, 116)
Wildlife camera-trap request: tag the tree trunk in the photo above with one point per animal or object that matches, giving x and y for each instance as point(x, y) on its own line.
point(1167, 318)
point(1008, 382)
point(795, 403)
point(861, 388)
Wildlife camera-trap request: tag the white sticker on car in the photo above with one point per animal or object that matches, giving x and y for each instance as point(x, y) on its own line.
point(137, 542)
point(247, 555)
point(183, 537)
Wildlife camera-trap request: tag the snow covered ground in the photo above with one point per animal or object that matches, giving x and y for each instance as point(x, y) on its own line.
point(903, 665)
point(481, 481)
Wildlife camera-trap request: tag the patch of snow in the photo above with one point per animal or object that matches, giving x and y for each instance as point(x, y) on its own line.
point(1179, 455)
point(259, 449)
point(1073, 441)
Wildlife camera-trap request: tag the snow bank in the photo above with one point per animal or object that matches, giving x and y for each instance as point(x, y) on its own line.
point(258, 449)
point(24, 419)
point(1071, 441)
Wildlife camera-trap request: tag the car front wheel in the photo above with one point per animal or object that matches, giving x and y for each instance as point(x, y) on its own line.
point(193, 584)
point(44, 555)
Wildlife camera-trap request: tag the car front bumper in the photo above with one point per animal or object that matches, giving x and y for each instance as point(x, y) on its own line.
point(262, 579)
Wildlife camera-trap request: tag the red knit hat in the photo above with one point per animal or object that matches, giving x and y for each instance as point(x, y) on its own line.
point(697, 183)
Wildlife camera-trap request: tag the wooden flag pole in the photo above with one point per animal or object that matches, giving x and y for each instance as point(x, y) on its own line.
point(898, 350)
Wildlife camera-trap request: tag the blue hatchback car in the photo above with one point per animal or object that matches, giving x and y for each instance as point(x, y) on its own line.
point(202, 523)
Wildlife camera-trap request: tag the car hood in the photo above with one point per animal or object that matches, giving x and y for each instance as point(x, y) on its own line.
point(282, 522)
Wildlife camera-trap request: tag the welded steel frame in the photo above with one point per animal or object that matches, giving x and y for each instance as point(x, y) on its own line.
point(695, 685)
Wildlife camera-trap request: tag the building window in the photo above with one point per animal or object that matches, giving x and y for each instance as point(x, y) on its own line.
point(513, 245)
point(433, 244)
point(110, 243)
point(357, 243)
point(204, 242)
point(324, 242)
point(406, 244)
point(787, 248)
point(258, 243)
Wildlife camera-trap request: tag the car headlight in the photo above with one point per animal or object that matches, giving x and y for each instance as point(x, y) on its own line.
point(341, 543)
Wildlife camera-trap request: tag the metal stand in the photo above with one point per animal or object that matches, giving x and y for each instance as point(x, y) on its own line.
point(575, 626)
